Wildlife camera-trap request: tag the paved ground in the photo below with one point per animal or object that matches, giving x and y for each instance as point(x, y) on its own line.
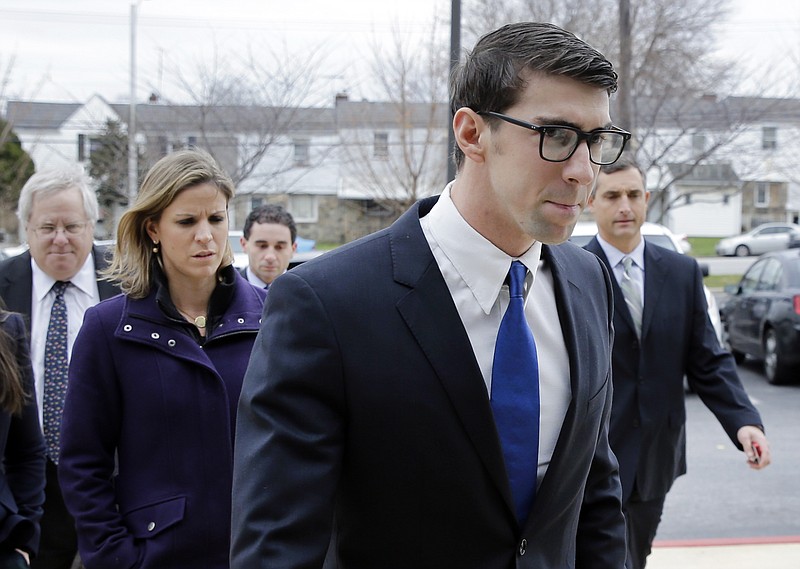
point(727, 554)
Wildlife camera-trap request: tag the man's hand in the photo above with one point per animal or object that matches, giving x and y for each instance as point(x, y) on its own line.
point(756, 446)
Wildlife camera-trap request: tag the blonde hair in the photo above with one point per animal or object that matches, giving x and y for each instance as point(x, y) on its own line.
point(131, 264)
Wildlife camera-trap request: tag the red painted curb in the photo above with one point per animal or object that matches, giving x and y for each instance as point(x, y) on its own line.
point(710, 542)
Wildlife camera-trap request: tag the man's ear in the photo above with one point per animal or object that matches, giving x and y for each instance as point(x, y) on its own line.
point(468, 127)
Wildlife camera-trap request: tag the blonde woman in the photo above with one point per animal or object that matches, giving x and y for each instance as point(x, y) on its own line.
point(148, 427)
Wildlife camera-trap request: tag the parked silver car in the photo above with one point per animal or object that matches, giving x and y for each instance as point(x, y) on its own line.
point(763, 239)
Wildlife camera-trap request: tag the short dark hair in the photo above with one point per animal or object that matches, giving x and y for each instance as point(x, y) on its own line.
point(625, 162)
point(270, 213)
point(491, 77)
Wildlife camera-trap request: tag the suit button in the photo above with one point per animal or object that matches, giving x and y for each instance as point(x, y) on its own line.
point(151, 526)
point(523, 546)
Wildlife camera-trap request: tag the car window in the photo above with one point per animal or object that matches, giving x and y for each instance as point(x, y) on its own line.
point(770, 276)
point(749, 281)
point(792, 271)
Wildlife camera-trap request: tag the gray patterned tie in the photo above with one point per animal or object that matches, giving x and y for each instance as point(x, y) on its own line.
point(55, 371)
point(632, 297)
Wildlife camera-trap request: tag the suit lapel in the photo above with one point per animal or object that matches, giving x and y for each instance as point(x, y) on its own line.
point(621, 311)
point(655, 277)
point(17, 286)
point(447, 345)
point(570, 296)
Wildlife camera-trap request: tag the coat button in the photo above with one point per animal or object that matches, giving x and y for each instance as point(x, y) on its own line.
point(127, 327)
point(151, 526)
point(523, 546)
point(171, 343)
point(240, 320)
point(155, 335)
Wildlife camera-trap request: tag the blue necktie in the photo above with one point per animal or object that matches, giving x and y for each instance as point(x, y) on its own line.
point(55, 371)
point(515, 396)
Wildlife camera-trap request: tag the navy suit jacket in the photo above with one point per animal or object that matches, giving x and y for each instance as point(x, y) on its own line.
point(16, 282)
point(364, 408)
point(648, 420)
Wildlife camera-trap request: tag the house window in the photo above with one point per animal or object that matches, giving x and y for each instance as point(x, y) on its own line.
point(191, 141)
point(301, 153)
point(698, 143)
point(762, 194)
point(303, 208)
point(95, 144)
point(164, 147)
point(256, 202)
point(81, 147)
point(381, 145)
point(769, 138)
point(88, 145)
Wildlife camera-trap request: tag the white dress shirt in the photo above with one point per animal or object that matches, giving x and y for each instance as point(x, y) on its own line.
point(615, 257)
point(79, 296)
point(253, 279)
point(475, 270)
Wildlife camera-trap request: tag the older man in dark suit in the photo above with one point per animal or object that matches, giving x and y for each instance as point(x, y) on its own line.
point(52, 284)
point(389, 418)
point(663, 332)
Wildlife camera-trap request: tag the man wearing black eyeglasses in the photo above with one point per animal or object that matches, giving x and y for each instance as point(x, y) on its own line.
point(390, 416)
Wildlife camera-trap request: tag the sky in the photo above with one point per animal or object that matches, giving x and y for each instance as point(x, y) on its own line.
point(68, 51)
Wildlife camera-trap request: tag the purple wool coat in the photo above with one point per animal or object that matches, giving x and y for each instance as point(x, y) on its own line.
point(148, 431)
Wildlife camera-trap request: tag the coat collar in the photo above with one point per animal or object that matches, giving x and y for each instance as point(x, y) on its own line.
point(144, 322)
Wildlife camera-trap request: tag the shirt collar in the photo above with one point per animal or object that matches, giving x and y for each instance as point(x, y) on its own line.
point(462, 245)
point(615, 256)
point(84, 280)
point(253, 278)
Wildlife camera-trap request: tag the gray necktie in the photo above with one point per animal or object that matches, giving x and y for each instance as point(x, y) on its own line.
point(632, 297)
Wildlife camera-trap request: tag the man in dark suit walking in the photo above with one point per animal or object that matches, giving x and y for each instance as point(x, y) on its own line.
point(662, 332)
point(377, 426)
point(269, 238)
point(58, 210)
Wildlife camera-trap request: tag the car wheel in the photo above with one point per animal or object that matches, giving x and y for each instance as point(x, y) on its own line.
point(774, 368)
point(742, 251)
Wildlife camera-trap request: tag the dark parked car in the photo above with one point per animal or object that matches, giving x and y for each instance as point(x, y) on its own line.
point(762, 316)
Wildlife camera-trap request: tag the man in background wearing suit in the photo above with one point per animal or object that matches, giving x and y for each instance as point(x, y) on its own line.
point(58, 210)
point(655, 345)
point(376, 424)
point(269, 238)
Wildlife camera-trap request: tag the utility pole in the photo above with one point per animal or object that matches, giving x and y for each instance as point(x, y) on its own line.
point(626, 118)
point(132, 151)
point(455, 58)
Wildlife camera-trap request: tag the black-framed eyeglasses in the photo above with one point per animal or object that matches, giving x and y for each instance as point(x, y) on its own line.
point(557, 143)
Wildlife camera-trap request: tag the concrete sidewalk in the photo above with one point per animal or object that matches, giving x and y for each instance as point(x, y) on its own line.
point(757, 553)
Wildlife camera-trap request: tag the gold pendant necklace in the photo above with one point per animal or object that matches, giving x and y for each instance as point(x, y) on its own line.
point(199, 321)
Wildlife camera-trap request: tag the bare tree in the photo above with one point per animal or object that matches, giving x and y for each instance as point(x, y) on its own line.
point(394, 152)
point(243, 106)
point(669, 81)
